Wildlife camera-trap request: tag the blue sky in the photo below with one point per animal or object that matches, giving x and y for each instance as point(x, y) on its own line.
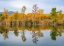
point(16, 5)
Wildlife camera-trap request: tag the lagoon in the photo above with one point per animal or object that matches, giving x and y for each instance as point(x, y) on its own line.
point(34, 36)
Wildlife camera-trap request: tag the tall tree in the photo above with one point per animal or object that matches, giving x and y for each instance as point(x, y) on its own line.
point(35, 8)
point(23, 11)
point(53, 14)
point(5, 13)
point(23, 15)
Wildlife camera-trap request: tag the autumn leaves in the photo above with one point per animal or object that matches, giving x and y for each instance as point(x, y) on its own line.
point(36, 16)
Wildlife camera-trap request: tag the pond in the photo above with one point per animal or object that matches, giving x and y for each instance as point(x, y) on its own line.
point(32, 36)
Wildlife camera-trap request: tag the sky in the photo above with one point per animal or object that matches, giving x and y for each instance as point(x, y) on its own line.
point(46, 5)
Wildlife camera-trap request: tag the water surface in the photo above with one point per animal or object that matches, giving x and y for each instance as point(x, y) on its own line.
point(34, 36)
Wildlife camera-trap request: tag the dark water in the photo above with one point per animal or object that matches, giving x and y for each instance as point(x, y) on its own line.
point(25, 36)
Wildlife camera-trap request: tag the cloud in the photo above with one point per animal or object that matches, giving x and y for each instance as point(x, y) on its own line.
point(16, 5)
point(19, 4)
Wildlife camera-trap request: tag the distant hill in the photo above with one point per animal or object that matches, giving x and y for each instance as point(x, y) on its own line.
point(10, 12)
point(0, 12)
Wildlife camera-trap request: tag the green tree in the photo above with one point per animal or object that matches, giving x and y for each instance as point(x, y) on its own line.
point(54, 14)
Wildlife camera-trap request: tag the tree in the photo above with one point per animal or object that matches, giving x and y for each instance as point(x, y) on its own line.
point(60, 17)
point(40, 11)
point(54, 15)
point(60, 14)
point(40, 34)
point(35, 8)
point(0, 17)
point(23, 11)
point(15, 18)
point(5, 13)
point(16, 15)
point(5, 34)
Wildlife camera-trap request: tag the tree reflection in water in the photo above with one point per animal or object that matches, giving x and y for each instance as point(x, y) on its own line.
point(36, 34)
point(35, 30)
point(23, 36)
point(5, 34)
point(35, 38)
point(53, 33)
point(16, 31)
point(56, 31)
point(4, 31)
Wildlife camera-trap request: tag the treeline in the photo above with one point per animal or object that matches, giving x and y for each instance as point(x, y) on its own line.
point(36, 17)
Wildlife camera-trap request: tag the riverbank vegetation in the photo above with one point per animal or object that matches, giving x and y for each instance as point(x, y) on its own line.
point(36, 17)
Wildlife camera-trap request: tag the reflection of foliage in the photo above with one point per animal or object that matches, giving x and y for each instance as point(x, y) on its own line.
point(11, 23)
point(4, 32)
point(54, 33)
point(40, 34)
point(28, 23)
point(16, 32)
point(1, 30)
point(37, 22)
point(36, 26)
point(36, 32)
point(34, 36)
point(35, 40)
point(23, 36)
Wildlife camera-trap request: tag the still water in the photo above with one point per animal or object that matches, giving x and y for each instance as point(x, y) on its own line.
point(32, 36)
